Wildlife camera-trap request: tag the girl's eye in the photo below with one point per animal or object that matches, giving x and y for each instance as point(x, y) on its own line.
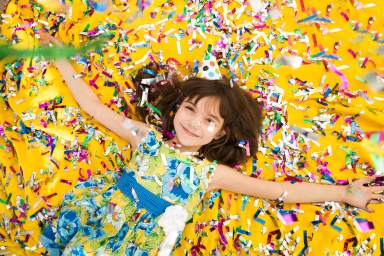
point(210, 122)
point(189, 108)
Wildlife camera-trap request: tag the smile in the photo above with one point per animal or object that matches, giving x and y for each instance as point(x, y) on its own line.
point(189, 133)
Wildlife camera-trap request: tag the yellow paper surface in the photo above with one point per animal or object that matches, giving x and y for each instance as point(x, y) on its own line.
point(242, 233)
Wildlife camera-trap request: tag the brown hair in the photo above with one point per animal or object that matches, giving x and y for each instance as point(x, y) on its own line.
point(242, 115)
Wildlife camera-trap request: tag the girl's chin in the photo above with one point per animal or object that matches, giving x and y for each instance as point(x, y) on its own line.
point(185, 142)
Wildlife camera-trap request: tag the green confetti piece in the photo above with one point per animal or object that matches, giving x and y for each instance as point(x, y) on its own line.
point(9, 197)
point(37, 6)
point(41, 82)
point(308, 121)
point(360, 79)
point(184, 161)
point(202, 27)
point(156, 110)
point(88, 138)
point(86, 28)
point(270, 73)
point(115, 92)
point(199, 15)
point(345, 149)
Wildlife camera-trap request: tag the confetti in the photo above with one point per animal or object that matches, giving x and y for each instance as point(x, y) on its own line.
point(314, 66)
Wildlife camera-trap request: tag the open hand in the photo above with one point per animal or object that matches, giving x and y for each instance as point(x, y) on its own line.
point(358, 195)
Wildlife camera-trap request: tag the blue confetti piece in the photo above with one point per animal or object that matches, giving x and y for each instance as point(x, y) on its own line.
point(243, 232)
point(307, 18)
point(24, 129)
point(171, 15)
point(261, 221)
point(244, 202)
point(196, 66)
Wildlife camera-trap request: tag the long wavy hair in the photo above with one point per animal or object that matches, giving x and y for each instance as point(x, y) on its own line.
point(242, 113)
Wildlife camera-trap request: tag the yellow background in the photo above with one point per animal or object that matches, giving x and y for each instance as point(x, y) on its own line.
point(31, 157)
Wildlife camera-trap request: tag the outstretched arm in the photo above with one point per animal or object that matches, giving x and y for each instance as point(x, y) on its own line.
point(88, 101)
point(355, 194)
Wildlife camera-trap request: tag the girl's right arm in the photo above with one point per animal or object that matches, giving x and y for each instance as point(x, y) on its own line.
point(128, 129)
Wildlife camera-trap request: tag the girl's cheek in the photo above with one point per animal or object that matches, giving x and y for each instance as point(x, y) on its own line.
point(211, 127)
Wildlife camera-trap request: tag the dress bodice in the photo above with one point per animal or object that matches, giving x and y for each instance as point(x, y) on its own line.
point(172, 175)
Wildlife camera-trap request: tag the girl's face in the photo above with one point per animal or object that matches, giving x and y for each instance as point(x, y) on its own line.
point(197, 124)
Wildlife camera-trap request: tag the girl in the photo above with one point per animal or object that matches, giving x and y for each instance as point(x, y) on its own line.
point(209, 125)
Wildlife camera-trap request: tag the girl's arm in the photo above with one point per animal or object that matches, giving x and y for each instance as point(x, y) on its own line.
point(355, 194)
point(126, 128)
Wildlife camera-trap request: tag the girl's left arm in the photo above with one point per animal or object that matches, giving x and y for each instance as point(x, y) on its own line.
point(355, 194)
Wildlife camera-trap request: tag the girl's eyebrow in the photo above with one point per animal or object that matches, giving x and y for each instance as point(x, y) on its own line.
point(214, 117)
point(210, 115)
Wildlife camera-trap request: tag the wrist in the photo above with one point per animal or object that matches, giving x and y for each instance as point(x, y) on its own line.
point(344, 191)
point(60, 62)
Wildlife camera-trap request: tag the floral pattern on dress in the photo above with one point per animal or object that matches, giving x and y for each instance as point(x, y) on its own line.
point(98, 219)
point(150, 144)
point(179, 181)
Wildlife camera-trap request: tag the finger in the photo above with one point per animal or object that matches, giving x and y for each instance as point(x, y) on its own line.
point(54, 39)
point(378, 197)
point(44, 39)
point(365, 180)
point(47, 38)
point(376, 189)
point(374, 201)
point(369, 210)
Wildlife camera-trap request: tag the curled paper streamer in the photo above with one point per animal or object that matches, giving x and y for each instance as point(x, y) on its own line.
point(309, 134)
point(291, 61)
point(48, 52)
point(375, 81)
point(343, 78)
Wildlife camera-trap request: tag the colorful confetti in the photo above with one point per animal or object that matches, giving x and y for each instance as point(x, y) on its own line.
point(316, 66)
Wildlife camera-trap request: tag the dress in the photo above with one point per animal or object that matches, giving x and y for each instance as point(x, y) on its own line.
point(102, 216)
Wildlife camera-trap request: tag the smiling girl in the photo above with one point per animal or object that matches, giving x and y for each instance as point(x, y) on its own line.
point(209, 126)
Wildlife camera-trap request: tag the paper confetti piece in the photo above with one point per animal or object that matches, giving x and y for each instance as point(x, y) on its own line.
point(363, 225)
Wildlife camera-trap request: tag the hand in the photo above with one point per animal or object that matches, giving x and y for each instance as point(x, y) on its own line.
point(358, 195)
point(50, 41)
point(47, 40)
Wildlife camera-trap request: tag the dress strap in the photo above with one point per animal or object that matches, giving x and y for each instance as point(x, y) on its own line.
point(142, 196)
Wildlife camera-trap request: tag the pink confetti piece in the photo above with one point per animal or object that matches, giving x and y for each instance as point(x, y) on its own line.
point(343, 78)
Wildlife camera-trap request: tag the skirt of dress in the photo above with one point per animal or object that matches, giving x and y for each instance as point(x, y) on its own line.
point(98, 219)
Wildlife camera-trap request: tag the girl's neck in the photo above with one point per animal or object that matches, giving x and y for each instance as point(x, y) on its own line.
point(189, 150)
